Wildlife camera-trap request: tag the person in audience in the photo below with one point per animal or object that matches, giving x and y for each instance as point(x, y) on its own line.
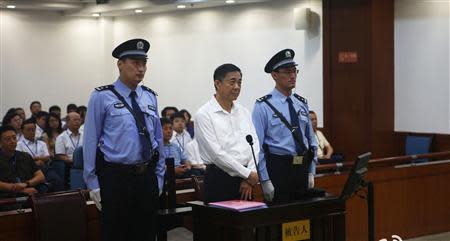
point(325, 149)
point(82, 111)
point(168, 111)
point(193, 155)
point(221, 129)
point(38, 150)
point(55, 109)
point(19, 174)
point(71, 108)
point(53, 128)
point(13, 119)
point(180, 136)
point(21, 112)
point(285, 156)
point(189, 123)
point(70, 139)
point(41, 120)
point(125, 180)
point(171, 150)
point(35, 107)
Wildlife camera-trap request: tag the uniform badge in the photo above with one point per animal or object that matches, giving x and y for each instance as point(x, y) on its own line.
point(288, 54)
point(151, 107)
point(303, 113)
point(274, 116)
point(140, 45)
point(119, 105)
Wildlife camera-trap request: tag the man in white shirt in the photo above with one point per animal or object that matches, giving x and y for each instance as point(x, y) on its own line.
point(70, 139)
point(38, 150)
point(41, 119)
point(193, 155)
point(180, 136)
point(221, 129)
point(325, 149)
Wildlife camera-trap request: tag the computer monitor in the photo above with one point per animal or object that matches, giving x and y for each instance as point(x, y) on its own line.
point(355, 179)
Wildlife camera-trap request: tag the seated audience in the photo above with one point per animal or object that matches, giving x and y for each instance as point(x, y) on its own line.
point(55, 109)
point(41, 120)
point(82, 110)
point(168, 111)
point(325, 149)
point(171, 150)
point(70, 139)
point(14, 120)
point(69, 108)
point(189, 122)
point(53, 128)
point(38, 150)
point(35, 107)
point(180, 136)
point(21, 112)
point(193, 155)
point(19, 174)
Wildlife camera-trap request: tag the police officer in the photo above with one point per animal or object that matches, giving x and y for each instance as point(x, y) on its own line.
point(122, 142)
point(288, 148)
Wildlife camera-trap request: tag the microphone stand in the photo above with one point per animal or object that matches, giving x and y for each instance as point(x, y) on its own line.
point(249, 139)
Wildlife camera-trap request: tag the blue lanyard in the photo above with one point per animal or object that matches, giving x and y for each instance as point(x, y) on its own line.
point(73, 144)
point(33, 153)
point(182, 141)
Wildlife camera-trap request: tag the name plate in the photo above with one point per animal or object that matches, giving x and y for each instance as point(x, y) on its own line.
point(298, 230)
point(298, 160)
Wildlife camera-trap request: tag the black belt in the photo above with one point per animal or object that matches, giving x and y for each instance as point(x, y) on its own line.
point(138, 168)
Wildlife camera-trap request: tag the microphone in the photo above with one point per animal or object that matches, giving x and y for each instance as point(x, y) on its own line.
point(249, 139)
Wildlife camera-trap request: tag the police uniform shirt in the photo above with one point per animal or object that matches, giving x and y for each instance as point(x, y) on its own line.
point(181, 139)
point(221, 138)
point(66, 143)
point(172, 150)
point(272, 131)
point(110, 125)
point(34, 148)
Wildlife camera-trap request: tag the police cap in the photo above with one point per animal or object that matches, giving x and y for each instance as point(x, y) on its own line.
point(133, 48)
point(283, 59)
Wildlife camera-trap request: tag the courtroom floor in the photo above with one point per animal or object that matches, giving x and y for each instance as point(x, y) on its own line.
point(434, 237)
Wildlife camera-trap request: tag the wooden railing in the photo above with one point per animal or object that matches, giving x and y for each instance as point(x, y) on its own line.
point(387, 161)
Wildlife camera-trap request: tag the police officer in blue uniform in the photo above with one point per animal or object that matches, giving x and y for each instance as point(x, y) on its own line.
point(123, 167)
point(287, 155)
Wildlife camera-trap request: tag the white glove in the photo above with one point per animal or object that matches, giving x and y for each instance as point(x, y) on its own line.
point(268, 190)
point(95, 196)
point(310, 180)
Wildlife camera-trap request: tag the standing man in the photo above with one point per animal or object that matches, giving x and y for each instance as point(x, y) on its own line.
point(122, 142)
point(288, 146)
point(222, 127)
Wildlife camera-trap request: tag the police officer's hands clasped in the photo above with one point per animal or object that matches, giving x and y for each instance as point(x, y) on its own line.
point(253, 178)
point(95, 196)
point(268, 190)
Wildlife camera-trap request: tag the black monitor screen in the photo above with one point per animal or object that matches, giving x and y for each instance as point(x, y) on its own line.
point(356, 175)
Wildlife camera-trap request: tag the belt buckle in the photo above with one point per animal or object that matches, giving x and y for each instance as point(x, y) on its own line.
point(141, 168)
point(298, 160)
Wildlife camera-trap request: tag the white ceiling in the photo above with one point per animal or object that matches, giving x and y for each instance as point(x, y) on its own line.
point(113, 7)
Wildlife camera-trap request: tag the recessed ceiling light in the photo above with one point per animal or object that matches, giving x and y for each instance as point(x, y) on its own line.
point(229, 1)
point(181, 6)
point(138, 10)
point(11, 6)
point(96, 15)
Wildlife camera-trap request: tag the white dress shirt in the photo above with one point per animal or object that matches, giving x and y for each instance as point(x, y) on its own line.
point(192, 153)
point(221, 138)
point(181, 139)
point(66, 143)
point(34, 148)
point(39, 132)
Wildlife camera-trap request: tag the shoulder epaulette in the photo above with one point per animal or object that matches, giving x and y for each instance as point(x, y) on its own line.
point(301, 98)
point(149, 90)
point(266, 97)
point(104, 87)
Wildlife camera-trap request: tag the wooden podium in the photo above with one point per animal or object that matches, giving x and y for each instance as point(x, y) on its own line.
point(310, 219)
